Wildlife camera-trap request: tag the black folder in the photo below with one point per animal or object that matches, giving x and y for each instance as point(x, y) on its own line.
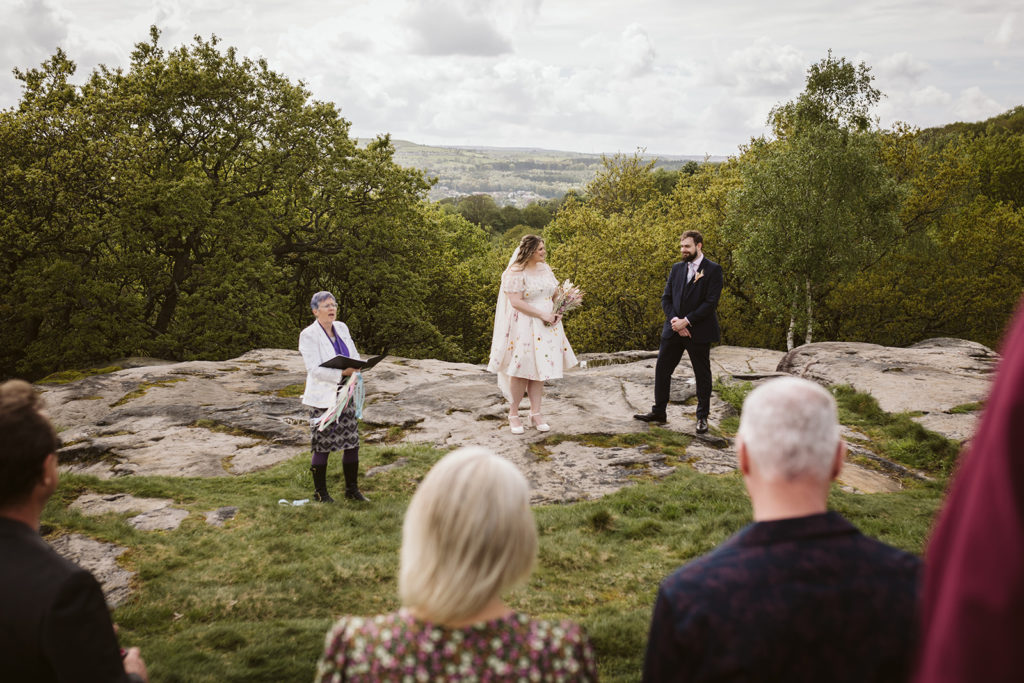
point(340, 362)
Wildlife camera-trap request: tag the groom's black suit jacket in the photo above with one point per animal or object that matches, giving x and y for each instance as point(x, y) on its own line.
point(696, 301)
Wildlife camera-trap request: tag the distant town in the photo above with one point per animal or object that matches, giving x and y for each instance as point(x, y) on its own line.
point(512, 176)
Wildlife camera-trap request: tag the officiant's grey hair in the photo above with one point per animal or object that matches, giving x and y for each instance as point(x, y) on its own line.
point(319, 298)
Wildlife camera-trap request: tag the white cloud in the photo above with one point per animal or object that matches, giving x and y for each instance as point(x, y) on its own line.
point(442, 27)
point(763, 68)
point(974, 105)
point(1003, 35)
point(30, 32)
point(901, 66)
point(669, 76)
point(930, 96)
point(172, 16)
point(636, 53)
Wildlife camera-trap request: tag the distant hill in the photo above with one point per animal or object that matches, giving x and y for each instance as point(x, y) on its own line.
point(512, 175)
point(1010, 121)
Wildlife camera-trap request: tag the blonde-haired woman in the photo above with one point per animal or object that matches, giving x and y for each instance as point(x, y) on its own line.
point(468, 537)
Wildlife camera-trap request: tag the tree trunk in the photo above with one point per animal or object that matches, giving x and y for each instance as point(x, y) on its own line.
point(810, 315)
point(790, 333)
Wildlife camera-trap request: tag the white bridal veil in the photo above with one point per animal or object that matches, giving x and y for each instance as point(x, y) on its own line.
point(499, 341)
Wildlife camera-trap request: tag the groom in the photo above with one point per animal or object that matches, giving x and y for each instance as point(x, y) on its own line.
point(691, 324)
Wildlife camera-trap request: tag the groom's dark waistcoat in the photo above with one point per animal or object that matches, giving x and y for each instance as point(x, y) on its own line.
point(804, 599)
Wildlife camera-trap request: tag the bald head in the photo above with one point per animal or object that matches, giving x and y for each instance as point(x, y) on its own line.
point(790, 429)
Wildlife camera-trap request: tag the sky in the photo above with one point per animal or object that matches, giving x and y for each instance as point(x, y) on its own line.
point(596, 76)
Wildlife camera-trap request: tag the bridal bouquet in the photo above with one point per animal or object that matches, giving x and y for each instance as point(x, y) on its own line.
point(568, 297)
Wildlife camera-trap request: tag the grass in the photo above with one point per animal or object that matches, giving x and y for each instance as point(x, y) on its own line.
point(660, 440)
point(729, 426)
point(896, 436)
point(65, 376)
point(734, 394)
point(141, 390)
point(251, 601)
point(966, 408)
point(291, 390)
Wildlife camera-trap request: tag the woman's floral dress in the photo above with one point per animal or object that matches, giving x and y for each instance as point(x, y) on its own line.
point(534, 350)
point(398, 647)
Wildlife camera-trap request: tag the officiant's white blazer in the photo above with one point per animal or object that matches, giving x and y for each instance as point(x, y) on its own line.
point(315, 347)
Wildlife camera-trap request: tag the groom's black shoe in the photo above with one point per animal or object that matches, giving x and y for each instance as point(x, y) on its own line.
point(702, 425)
point(651, 417)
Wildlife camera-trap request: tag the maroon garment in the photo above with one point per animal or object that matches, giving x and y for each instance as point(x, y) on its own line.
point(973, 599)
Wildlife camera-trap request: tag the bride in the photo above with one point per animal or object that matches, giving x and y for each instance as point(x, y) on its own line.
point(529, 345)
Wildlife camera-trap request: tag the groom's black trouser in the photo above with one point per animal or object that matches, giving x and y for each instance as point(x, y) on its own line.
point(669, 355)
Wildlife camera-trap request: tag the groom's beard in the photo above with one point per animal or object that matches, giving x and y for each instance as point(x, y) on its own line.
point(691, 257)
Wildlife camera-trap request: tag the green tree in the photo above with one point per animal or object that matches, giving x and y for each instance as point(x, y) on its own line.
point(462, 277)
point(509, 216)
point(62, 297)
point(956, 269)
point(622, 185)
point(480, 209)
point(188, 206)
point(617, 247)
point(815, 204)
point(535, 215)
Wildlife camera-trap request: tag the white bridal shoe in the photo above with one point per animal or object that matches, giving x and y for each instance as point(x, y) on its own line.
point(541, 426)
point(513, 428)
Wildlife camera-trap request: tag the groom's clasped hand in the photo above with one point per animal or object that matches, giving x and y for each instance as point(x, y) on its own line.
point(680, 326)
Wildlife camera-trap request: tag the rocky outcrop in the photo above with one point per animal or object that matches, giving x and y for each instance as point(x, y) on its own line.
point(196, 419)
point(101, 559)
point(155, 514)
point(205, 418)
point(932, 377)
point(218, 419)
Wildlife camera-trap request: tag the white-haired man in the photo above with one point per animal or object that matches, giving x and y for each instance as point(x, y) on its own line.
point(800, 594)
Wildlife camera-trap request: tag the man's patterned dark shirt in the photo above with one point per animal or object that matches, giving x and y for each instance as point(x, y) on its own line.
point(804, 599)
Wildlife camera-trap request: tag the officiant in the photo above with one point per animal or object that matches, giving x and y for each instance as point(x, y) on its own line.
point(326, 338)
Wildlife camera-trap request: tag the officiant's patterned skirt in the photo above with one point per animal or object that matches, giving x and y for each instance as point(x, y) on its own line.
point(343, 433)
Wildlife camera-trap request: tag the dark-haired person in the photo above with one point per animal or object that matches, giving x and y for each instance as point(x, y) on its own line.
point(690, 302)
point(324, 339)
point(54, 622)
point(529, 345)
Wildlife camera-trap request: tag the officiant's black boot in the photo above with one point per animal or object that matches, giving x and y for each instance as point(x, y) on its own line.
point(320, 493)
point(351, 470)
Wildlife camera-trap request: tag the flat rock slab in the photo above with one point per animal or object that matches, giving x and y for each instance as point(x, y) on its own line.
point(931, 377)
point(156, 514)
point(858, 479)
point(193, 419)
point(101, 559)
point(711, 460)
point(95, 504)
point(164, 519)
point(572, 471)
point(214, 419)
